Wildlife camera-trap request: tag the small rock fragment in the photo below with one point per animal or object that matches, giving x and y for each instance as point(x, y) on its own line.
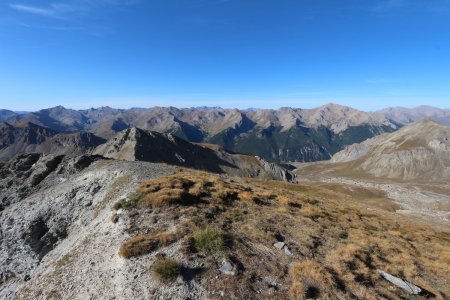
point(228, 268)
point(403, 284)
point(279, 245)
point(287, 251)
point(115, 218)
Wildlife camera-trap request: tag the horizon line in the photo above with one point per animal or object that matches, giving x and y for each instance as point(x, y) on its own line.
point(25, 111)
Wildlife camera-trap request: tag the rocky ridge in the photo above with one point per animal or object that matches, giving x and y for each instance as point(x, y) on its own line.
point(51, 202)
point(141, 145)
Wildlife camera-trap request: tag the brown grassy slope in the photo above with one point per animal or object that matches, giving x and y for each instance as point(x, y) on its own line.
point(339, 237)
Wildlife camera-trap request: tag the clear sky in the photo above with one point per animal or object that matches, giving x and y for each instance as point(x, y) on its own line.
point(367, 54)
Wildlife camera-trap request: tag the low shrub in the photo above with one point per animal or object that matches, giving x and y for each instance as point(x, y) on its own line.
point(166, 269)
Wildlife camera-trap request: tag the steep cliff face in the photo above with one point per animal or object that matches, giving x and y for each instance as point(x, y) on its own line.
point(420, 151)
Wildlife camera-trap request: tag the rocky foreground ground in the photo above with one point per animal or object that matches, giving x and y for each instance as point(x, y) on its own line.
point(92, 228)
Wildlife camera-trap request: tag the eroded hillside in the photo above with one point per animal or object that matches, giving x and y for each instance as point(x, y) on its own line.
point(202, 236)
point(418, 152)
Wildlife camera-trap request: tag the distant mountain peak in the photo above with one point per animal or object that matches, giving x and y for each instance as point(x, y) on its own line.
point(285, 134)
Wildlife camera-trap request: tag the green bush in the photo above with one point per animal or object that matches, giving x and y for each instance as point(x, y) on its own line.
point(209, 240)
point(166, 269)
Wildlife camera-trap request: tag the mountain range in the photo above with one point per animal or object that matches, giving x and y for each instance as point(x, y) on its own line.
point(280, 135)
point(26, 137)
point(283, 135)
point(418, 151)
point(134, 144)
point(404, 115)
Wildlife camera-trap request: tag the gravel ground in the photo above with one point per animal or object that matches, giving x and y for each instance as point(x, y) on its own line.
point(414, 200)
point(67, 220)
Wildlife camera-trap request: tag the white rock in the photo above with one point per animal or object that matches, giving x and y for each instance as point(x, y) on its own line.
point(228, 268)
point(279, 245)
point(403, 284)
point(287, 251)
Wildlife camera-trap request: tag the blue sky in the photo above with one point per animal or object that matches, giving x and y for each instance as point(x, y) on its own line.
point(232, 53)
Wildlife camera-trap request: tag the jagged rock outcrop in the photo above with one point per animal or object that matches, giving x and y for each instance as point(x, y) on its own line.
point(23, 175)
point(136, 144)
point(419, 151)
point(277, 170)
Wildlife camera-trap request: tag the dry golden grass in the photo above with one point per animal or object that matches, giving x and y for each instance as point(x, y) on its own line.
point(339, 237)
point(310, 280)
point(246, 196)
point(337, 242)
point(145, 243)
point(189, 188)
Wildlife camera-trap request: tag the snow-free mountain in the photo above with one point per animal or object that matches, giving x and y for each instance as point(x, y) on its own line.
point(419, 151)
point(282, 135)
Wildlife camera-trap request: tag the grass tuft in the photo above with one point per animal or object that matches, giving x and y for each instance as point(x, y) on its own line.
point(209, 240)
point(145, 243)
point(166, 269)
point(124, 204)
point(310, 280)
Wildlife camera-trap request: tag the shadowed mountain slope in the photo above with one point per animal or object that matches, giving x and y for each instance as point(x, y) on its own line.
point(135, 144)
point(27, 137)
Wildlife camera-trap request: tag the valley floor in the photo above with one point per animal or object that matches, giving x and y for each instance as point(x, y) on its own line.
point(427, 201)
